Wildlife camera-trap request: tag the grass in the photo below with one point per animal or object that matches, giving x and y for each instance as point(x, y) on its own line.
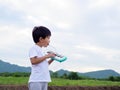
point(66, 82)
point(58, 82)
point(13, 80)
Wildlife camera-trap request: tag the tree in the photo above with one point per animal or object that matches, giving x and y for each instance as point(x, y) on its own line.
point(55, 75)
point(73, 76)
point(117, 78)
point(111, 78)
point(64, 76)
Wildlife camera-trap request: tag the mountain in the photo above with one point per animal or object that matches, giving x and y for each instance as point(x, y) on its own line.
point(94, 74)
point(101, 74)
point(61, 72)
point(7, 67)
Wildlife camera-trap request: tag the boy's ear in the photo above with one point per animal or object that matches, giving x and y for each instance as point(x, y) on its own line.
point(40, 39)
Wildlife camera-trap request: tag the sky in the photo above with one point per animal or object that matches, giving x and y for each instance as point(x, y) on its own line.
point(86, 31)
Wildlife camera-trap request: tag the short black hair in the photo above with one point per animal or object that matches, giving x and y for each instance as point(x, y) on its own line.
point(40, 31)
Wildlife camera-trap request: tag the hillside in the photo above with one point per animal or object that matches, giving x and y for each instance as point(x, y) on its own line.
point(7, 67)
point(101, 74)
point(94, 74)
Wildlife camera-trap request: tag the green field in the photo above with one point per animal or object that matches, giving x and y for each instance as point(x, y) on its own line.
point(58, 82)
point(13, 80)
point(66, 82)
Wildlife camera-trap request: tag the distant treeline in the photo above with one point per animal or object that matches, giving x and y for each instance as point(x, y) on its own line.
point(75, 76)
point(15, 74)
point(71, 76)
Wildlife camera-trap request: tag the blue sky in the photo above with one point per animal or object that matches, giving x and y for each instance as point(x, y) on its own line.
point(86, 31)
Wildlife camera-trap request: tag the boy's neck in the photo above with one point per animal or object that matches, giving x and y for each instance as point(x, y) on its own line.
point(39, 44)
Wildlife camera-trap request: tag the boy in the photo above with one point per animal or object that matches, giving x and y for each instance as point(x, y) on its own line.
point(40, 76)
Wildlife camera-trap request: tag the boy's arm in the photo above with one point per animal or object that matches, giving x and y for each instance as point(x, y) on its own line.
point(36, 60)
point(50, 61)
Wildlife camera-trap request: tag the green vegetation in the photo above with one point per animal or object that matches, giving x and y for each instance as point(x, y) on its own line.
point(71, 79)
point(75, 76)
point(58, 82)
point(67, 82)
point(15, 74)
point(13, 80)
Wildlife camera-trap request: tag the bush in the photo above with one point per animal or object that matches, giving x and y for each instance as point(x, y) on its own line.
point(73, 76)
point(112, 78)
point(15, 74)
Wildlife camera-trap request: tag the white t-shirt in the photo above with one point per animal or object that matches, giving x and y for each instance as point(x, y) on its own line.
point(39, 72)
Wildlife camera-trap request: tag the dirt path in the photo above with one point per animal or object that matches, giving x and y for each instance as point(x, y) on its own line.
point(24, 87)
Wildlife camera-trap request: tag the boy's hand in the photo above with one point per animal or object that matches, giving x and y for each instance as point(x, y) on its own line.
point(49, 55)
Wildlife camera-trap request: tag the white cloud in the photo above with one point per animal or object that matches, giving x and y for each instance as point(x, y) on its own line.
point(107, 53)
point(87, 32)
point(14, 42)
point(102, 4)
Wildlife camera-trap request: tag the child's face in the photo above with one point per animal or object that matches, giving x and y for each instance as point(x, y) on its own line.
point(46, 41)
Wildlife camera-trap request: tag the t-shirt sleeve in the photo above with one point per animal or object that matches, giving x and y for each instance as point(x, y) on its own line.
point(32, 53)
